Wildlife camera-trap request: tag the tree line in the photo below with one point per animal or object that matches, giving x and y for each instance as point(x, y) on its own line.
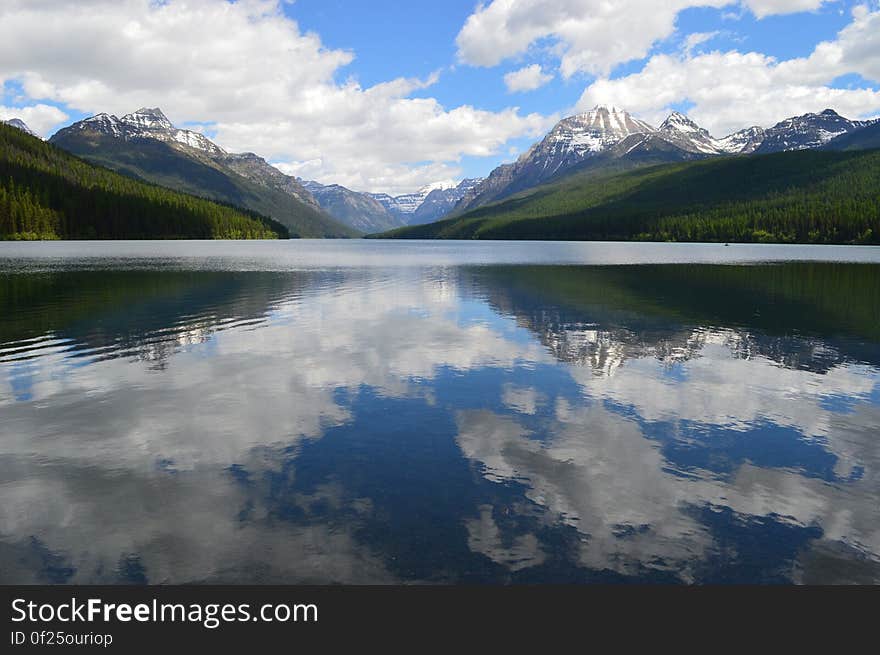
point(46, 193)
point(791, 197)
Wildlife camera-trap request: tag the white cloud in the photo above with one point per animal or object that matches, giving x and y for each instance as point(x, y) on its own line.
point(732, 90)
point(271, 89)
point(94, 490)
point(522, 399)
point(697, 38)
point(598, 472)
point(528, 78)
point(589, 36)
point(40, 118)
point(858, 45)
point(762, 8)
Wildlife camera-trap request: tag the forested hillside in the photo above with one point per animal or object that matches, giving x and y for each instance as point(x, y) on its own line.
point(46, 193)
point(804, 196)
point(201, 168)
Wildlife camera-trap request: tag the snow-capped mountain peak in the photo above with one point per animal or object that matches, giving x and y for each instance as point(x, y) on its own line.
point(681, 123)
point(684, 133)
point(428, 203)
point(578, 137)
point(147, 118)
point(410, 202)
point(440, 184)
point(807, 131)
point(102, 122)
point(595, 130)
point(148, 123)
point(19, 124)
point(742, 142)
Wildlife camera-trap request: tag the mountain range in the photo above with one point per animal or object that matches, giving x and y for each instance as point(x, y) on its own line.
point(610, 138)
point(605, 140)
point(362, 211)
point(378, 212)
point(428, 203)
point(145, 145)
point(47, 193)
point(816, 195)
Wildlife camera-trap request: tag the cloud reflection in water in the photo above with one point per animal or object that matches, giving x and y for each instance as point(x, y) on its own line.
point(501, 424)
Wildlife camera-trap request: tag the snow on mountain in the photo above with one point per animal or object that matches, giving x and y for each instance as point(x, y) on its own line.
point(582, 135)
point(147, 123)
point(681, 131)
point(362, 211)
point(407, 203)
point(431, 202)
point(571, 141)
point(19, 124)
point(148, 119)
point(441, 201)
point(743, 142)
point(864, 138)
point(604, 134)
point(151, 123)
point(807, 131)
point(607, 133)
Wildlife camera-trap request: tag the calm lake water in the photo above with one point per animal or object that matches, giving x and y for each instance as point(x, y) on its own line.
point(403, 412)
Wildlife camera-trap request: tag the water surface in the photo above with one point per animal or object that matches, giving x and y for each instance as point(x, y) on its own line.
point(360, 412)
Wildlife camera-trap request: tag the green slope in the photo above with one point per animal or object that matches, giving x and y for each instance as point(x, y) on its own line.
point(160, 163)
point(803, 196)
point(46, 193)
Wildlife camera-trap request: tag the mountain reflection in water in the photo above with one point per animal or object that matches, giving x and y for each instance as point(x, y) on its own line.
point(443, 423)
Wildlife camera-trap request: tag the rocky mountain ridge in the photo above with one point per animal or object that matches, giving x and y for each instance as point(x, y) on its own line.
point(612, 137)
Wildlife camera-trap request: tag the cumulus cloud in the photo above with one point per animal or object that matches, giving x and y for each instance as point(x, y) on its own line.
point(263, 364)
point(762, 8)
point(148, 480)
point(731, 90)
point(272, 89)
point(590, 36)
point(528, 78)
point(40, 117)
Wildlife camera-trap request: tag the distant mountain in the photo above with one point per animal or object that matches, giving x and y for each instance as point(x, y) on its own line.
point(595, 138)
point(743, 142)
point(609, 138)
point(408, 203)
point(404, 206)
point(860, 139)
point(145, 145)
point(682, 132)
point(388, 202)
point(807, 131)
point(440, 202)
point(361, 211)
point(425, 205)
point(807, 196)
point(20, 125)
point(47, 193)
point(258, 170)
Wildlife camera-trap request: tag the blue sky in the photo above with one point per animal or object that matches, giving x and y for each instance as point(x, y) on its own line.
point(418, 38)
point(390, 96)
point(392, 39)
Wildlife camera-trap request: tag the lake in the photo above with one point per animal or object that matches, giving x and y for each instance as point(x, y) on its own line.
point(438, 412)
